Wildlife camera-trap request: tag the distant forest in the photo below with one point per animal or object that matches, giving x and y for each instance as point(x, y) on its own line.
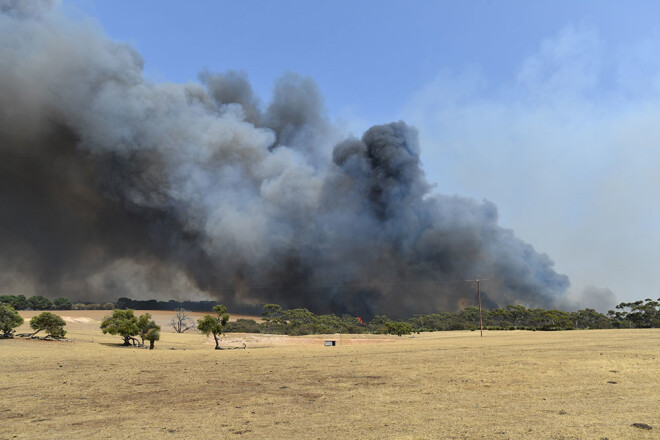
point(275, 319)
point(20, 302)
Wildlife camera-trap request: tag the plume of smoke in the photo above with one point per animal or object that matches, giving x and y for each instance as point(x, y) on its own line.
point(600, 299)
point(113, 185)
point(233, 87)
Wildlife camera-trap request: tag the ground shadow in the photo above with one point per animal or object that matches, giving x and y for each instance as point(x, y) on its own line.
point(117, 345)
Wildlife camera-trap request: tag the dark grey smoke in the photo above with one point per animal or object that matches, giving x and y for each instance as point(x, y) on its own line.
point(111, 186)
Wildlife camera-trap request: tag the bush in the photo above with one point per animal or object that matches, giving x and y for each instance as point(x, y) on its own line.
point(398, 328)
point(243, 326)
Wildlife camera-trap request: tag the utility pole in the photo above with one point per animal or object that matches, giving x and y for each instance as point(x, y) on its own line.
point(481, 322)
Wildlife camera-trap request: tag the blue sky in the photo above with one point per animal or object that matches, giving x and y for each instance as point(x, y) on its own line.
point(548, 109)
point(366, 56)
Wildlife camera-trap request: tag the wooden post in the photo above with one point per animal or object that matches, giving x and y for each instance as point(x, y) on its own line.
point(481, 323)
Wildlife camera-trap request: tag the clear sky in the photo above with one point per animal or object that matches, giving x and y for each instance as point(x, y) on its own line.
point(548, 109)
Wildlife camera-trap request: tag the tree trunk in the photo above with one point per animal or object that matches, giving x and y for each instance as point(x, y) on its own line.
point(217, 344)
point(151, 344)
point(127, 341)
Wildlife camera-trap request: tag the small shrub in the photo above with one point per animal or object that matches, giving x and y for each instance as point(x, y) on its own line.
point(243, 326)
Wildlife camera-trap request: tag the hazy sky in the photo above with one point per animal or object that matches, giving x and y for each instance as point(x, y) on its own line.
point(547, 109)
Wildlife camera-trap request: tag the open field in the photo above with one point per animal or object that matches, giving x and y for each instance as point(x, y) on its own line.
point(450, 385)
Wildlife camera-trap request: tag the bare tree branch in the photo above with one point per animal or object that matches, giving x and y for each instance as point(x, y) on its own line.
point(182, 321)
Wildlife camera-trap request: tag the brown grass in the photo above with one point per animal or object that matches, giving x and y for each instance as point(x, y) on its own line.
point(451, 385)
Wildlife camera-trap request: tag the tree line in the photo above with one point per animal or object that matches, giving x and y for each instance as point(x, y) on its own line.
point(152, 304)
point(275, 319)
point(301, 321)
point(38, 302)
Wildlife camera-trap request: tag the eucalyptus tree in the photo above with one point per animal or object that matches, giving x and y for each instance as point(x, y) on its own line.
point(215, 325)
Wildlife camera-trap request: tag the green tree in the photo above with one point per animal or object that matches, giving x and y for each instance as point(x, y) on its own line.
point(52, 324)
point(272, 319)
point(18, 302)
point(146, 325)
point(470, 315)
point(271, 312)
point(152, 336)
point(299, 321)
point(378, 324)
point(554, 320)
point(9, 320)
point(589, 318)
point(38, 302)
point(518, 315)
point(122, 323)
point(398, 328)
point(62, 304)
point(639, 314)
point(214, 324)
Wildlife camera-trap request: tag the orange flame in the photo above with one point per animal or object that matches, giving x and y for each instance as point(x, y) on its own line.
point(360, 320)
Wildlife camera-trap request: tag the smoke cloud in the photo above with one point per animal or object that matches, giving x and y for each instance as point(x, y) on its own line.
point(111, 185)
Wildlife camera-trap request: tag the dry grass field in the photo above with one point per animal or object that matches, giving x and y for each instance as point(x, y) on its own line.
point(452, 385)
